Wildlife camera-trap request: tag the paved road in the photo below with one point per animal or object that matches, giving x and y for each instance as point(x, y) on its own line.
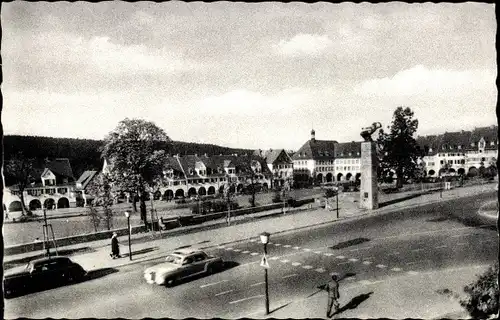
point(363, 252)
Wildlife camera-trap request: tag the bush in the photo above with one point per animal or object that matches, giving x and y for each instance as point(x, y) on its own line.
point(277, 197)
point(483, 295)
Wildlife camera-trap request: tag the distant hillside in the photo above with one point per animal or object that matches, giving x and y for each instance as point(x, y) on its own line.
point(84, 154)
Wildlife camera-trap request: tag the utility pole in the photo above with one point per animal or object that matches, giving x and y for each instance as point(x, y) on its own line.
point(46, 232)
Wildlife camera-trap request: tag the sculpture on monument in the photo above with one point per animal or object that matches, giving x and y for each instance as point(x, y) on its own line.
point(367, 132)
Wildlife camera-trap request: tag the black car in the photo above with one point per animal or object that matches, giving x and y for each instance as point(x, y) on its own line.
point(42, 274)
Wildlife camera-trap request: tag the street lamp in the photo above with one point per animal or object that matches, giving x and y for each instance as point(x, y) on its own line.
point(127, 214)
point(264, 238)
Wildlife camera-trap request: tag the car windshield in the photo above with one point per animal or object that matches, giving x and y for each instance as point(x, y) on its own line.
point(173, 259)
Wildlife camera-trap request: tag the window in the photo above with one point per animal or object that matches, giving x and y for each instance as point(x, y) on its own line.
point(459, 147)
point(198, 257)
point(442, 161)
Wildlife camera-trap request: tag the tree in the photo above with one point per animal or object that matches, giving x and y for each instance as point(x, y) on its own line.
point(483, 295)
point(136, 152)
point(252, 189)
point(398, 148)
point(19, 171)
point(101, 189)
point(229, 192)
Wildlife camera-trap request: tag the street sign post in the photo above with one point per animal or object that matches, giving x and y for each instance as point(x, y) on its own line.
point(264, 263)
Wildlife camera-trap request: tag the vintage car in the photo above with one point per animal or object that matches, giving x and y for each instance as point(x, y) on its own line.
point(182, 264)
point(42, 273)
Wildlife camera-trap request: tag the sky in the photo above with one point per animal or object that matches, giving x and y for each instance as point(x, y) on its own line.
point(246, 75)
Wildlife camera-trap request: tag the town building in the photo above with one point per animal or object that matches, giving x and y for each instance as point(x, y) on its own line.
point(458, 153)
point(280, 164)
point(54, 187)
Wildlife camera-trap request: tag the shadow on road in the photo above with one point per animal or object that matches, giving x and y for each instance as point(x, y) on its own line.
point(99, 273)
point(349, 243)
point(355, 302)
point(468, 221)
point(280, 307)
point(142, 251)
point(393, 201)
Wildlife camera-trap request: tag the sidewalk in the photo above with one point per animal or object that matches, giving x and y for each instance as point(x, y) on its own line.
point(145, 247)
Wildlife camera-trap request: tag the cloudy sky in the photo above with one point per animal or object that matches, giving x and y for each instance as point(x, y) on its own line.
point(246, 75)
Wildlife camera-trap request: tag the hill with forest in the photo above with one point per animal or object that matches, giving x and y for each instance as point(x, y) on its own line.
point(85, 154)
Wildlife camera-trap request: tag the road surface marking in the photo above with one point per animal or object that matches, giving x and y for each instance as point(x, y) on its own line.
point(285, 261)
point(296, 264)
point(412, 273)
point(317, 252)
point(274, 258)
point(320, 270)
point(381, 266)
point(396, 269)
point(277, 244)
point(305, 249)
point(254, 253)
point(221, 247)
point(441, 247)
point(340, 257)
point(343, 263)
point(352, 250)
point(229, 249)
point(257, 284)
point(296, 248)
point(224, 292)
point(246, 251)
point(244, 299)
point(367, 262)
point(350, 278)
point(290, 275)
point(417, 250)
point(334, 273)
point(287, 246)
point(328, 254)
point(236, 250)
point(412, 262)
point(457, 236)
point(365, 282)
point(307, 267)
point(212, 284)
point(353, 259)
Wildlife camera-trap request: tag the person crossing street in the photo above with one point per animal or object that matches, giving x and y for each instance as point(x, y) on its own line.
point(332, 287)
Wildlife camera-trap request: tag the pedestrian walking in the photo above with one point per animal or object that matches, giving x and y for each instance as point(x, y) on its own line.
point(115, 249)
point(332, 288)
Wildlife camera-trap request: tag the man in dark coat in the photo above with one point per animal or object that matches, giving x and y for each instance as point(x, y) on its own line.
point(115, 249)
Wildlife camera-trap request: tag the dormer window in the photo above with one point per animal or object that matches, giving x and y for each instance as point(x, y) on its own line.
point(472, 144)
point(357, 153)
point(459, 147)
point(327, 154)
point(350, 153)
point(430, 149)
point(190, 171)
point(443, 147)
point(492, 143)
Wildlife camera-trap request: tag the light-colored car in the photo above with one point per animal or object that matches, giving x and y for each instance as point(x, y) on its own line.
point(182, 264)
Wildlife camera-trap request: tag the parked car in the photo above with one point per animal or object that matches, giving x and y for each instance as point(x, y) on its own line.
point(182, 264)
point(41, 274)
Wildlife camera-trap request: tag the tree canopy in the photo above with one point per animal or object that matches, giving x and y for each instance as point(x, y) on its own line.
point(19, 171)
point(136, 151)
point(398, 149)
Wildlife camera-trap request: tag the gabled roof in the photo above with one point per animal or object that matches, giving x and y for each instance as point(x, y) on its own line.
point(316, 150)
point(86, 177)
point(348, 150)
point(61, 167)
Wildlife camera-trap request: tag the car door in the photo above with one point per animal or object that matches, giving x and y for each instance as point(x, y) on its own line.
point(187, 270)
point(199, 261)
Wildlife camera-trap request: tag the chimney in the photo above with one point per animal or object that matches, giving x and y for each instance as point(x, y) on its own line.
point(313, 135)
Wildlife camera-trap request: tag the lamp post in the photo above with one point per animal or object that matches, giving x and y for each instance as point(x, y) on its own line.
point(127, 214)
point(264, 238)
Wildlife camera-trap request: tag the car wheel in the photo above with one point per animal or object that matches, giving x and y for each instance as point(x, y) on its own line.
point(170, 282)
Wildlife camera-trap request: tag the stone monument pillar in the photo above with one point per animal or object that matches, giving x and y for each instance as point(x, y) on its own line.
point(369, 188)
point(368, 193)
